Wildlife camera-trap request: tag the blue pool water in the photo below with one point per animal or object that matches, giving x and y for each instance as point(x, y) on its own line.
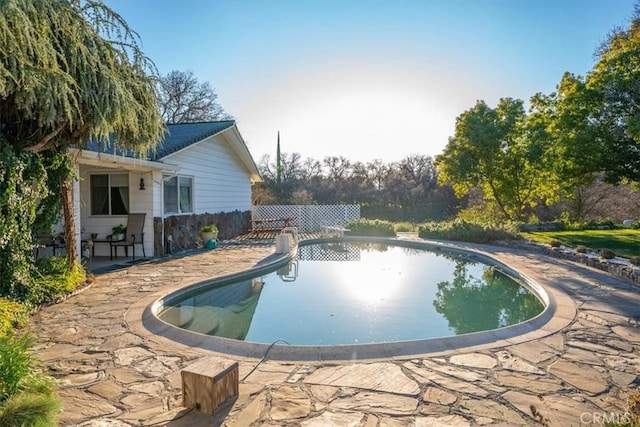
point(350, 293)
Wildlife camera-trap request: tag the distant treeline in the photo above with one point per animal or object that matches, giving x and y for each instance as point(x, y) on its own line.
point(407, 190)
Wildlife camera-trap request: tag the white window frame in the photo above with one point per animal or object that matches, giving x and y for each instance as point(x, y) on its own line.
point(179, 210)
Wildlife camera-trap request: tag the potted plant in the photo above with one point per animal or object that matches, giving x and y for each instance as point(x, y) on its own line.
point(118, 232)
point(208, 232)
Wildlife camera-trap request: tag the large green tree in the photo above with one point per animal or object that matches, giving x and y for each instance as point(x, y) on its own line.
point(614, 86)
point(501, 152)
point(71, 71)
point(595, 120)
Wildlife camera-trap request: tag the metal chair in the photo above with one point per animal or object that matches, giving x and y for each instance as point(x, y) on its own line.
point(133, 237)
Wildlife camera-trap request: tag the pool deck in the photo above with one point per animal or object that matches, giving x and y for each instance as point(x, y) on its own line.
point(574, 370)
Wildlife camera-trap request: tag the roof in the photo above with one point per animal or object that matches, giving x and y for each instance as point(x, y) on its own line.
point(180, 136)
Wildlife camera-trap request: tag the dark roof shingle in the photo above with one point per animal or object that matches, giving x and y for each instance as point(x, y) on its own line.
point(178, 136)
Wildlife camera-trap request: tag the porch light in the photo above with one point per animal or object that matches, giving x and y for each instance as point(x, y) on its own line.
point(142, 183)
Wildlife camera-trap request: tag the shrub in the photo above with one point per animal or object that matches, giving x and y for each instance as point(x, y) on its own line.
point(554, 243)
point(461, 230)
point(209, 228)
point(12, 315)
point(581, 249)
point(485, 213)
point(403, 227)
point(370, 227)
point(606, 253)
point(633, 406)
point(54, 279)
point(590, 225)
point(27, 396)
point(18, 369)
point(15, 364)
point(631, 415)
point(30, 409)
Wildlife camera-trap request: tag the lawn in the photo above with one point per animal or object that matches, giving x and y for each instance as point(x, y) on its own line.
point(624, 242)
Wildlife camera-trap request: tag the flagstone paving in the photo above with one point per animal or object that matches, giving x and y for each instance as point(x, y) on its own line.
point(114, 374)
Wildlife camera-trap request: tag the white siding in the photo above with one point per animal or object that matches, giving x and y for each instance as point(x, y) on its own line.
point(156, 188)
point(221, 183)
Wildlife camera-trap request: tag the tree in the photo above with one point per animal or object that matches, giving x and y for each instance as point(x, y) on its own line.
point(471, 304)
point(72, 71)
point(183, 99)
point(494, 149)
point(281, 180)
point(614, 82)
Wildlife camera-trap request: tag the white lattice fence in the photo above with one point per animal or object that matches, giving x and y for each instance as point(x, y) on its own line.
point(309, 218)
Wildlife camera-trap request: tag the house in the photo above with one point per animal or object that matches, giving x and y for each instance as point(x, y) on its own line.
point(198, 171)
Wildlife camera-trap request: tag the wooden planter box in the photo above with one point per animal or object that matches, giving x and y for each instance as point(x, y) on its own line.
point(208, 383)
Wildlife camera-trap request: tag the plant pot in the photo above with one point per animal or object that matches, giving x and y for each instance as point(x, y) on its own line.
point(117, 237)
point(208, 235)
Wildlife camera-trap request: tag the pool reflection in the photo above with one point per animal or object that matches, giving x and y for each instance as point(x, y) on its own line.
point(472, 304)
point(347, 292)
point(224, 311)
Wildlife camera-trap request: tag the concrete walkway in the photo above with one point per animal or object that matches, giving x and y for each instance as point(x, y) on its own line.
point(578, 372)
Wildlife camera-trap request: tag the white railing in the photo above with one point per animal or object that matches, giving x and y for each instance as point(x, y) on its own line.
point(309, 218)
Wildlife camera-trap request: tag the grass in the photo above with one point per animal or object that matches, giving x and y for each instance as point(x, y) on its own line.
point(624, 242)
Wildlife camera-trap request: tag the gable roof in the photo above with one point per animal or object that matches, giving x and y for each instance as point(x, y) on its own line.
point(180, 136)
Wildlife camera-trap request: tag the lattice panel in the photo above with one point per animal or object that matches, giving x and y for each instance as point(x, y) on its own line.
point(310, 218)
point(329, 252)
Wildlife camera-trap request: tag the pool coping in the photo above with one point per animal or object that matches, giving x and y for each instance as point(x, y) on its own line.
point(560, 311)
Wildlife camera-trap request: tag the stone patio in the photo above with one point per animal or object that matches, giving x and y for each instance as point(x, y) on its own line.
point(113, 372)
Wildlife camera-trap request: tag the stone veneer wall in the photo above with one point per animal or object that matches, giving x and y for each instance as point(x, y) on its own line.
point(230, 224)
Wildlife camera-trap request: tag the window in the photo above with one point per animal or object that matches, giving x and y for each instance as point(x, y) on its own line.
point(109, 194)
point(178, 195)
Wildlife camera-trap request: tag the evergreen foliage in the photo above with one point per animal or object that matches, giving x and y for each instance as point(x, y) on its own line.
point(71, 71)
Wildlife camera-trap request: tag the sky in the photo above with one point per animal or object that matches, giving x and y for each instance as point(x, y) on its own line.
point(367, 79)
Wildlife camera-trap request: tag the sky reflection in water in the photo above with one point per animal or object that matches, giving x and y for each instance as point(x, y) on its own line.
point(348, 293)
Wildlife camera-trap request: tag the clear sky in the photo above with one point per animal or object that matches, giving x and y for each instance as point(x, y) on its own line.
point(369, 79)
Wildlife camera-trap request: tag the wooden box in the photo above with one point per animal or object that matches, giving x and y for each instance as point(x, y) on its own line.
point(208, 383)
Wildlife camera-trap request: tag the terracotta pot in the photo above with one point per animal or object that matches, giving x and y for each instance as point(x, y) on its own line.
point(208, 235)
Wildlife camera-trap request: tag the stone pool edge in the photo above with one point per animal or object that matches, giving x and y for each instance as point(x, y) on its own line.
point(559, 313)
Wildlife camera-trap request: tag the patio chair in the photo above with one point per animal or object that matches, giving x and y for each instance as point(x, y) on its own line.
point(134, 236)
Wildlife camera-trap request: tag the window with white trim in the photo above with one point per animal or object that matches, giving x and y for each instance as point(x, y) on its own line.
point(178, 195)
point(109, 194)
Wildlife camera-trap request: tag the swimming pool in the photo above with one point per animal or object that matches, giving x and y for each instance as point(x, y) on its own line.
point(352, 293)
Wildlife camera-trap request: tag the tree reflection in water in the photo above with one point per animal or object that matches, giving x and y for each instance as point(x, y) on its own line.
point(478, 304)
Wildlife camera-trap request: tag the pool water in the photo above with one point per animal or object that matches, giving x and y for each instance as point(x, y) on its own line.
point(350, 293)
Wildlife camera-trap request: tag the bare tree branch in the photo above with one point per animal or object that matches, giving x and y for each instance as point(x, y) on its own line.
point(183, 99)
